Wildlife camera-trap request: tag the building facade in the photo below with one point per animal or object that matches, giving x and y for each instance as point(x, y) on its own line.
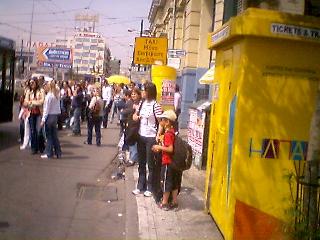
point(186, 24)
point(91, 54)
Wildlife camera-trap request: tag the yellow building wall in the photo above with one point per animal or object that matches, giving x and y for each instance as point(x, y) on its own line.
point(272, 79)
point(204, 28)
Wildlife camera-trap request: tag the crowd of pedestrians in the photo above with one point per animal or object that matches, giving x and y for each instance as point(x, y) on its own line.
point(146, 132)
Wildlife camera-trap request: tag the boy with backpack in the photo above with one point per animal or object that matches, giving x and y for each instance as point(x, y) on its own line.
point(170, 177)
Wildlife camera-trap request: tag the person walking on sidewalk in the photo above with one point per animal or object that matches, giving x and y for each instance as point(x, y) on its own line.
point(51, 111)
point(149, 131)
point(95, 117)
point(107, 92)
point(170, 178)
point(77, 106)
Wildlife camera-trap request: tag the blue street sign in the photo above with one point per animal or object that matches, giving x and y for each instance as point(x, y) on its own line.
point(58, 54)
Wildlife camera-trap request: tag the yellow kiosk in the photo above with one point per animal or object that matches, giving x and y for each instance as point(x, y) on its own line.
point(164, 77)
point(266, 75)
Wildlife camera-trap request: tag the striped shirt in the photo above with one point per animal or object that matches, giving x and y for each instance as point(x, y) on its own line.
point(148, 123)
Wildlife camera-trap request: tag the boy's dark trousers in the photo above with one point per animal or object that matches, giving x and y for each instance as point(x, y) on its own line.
point(156, 183)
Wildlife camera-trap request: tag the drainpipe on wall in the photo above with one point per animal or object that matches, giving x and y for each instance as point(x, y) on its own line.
point(212, 27)
point(174, 22)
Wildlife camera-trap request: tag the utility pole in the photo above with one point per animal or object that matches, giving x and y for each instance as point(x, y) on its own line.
point(30, 37)
point(174, 22)
point(141, 31)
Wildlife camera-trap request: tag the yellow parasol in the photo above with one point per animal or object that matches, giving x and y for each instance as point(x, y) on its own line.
point(117, 79)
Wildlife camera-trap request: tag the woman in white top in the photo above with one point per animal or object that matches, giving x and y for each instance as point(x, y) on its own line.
point(149, 131)
point(51, 111)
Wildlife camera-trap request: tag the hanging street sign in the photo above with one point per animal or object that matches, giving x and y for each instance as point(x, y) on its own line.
point(175, 53)
point(149, 50)
point(54, 57)
point(58, 54)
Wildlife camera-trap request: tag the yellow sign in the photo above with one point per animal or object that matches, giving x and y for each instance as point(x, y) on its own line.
point(148, 50)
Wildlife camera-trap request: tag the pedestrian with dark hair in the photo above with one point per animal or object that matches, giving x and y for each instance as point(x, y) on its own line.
point(34, 101)
point(149, 132)
point(130, 137)
point(95, 117)
point(76, 105)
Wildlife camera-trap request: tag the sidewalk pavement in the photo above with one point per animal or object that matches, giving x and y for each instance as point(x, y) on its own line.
point(190, 221)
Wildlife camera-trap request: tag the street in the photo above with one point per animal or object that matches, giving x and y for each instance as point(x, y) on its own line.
point(69, 198)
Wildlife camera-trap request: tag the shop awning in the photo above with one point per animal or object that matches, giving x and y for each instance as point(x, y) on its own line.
point(208, 77)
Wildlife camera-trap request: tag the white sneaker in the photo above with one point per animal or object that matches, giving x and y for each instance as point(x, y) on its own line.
point(44, 156)
point(136, 192)
point(147, 194)
point(22, 147)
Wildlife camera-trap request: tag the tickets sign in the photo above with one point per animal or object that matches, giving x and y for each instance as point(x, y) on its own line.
point(149, 50)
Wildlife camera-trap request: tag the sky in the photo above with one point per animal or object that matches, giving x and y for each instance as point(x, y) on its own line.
point(55, 18)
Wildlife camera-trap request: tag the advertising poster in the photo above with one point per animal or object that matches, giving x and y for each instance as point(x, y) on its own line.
point(196, 130)
point(168, 90)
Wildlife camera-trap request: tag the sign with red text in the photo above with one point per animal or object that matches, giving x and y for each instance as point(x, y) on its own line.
point(149, 50)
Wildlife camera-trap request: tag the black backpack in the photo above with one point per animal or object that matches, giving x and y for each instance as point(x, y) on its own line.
point(182, 154)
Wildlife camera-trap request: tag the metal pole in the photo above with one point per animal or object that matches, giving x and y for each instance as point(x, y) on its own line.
point(141, 31)
point(174, 22)
point(30, 36)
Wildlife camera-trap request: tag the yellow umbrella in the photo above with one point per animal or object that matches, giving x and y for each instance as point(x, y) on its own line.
point(117, 79)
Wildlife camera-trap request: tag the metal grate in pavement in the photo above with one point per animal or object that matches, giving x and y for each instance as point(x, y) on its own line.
point(100, 193)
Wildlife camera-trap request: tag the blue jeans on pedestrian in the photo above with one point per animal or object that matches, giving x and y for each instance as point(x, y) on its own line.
point(34, 132)
point(52, 136)
point(96, 123)
point(106, 110)
point(133, 153)
point(76, 120)
point(146, 158)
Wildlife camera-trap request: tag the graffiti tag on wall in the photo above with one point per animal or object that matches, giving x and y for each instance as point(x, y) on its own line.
point(270, 148)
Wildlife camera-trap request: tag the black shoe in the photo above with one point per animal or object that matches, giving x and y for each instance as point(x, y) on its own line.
point(85, 142)
point(34, 152)
point(58, 155)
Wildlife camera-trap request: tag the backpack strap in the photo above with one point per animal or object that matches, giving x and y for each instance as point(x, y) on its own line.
point(155, 117)
point(139, 109)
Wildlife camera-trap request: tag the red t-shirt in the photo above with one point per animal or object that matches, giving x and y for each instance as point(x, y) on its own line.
point(168, 139)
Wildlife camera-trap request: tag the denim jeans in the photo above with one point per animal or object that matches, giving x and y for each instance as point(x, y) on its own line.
point(96, 123)
point(133, 153)
point(34, 121)
point(52, 136)
point(76, 123)
point(146, 158)
point(106, 111)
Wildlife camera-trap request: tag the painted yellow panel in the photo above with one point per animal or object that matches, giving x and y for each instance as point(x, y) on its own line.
point(266, 75)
